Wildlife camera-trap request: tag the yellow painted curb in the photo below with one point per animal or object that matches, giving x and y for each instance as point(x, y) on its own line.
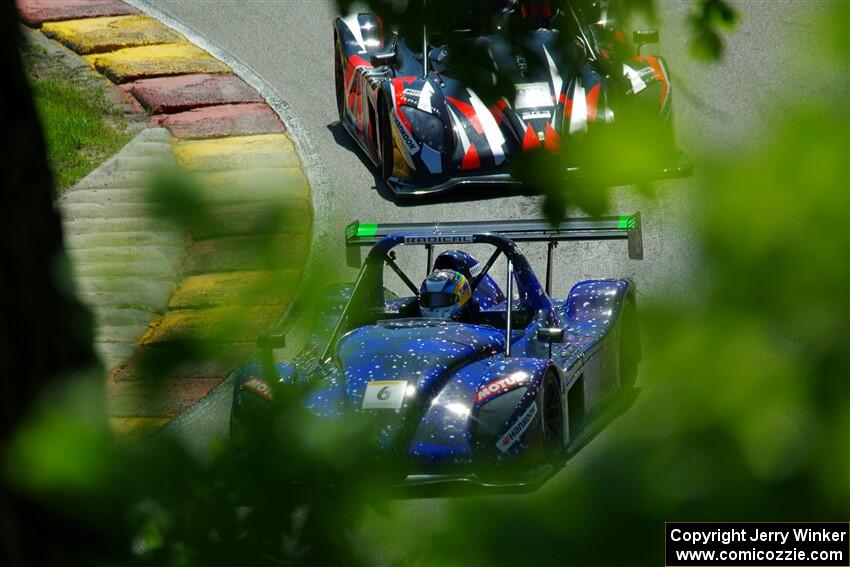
point(237, 152)
point(235, 288)
point(223, 324)
point(97, 35)
point(270, 185)
point(265, 252)
point(245, 219)
point(241, 269)
point(134, 426)
point(155, 61)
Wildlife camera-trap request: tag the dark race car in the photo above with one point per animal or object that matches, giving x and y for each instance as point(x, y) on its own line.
point(497, 398)
point(428, 132)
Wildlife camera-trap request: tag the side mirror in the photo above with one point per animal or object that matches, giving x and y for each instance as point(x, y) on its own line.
point(266, 344)
point(550, 335)
point(382, 58)
point(643, 37)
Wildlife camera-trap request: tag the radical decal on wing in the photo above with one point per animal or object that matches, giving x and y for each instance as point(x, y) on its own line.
point(438, 239)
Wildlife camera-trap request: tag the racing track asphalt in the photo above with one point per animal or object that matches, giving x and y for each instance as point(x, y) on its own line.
point(288, 43)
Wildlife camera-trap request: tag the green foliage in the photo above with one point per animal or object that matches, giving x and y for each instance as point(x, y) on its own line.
point(709, 20)
point(743, 414)
point(82, 128)
point(63, 447)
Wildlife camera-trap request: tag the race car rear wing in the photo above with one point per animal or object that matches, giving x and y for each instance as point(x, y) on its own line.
point(624, 227)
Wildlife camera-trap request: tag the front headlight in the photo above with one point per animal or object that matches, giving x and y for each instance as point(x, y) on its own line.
point(427, 128)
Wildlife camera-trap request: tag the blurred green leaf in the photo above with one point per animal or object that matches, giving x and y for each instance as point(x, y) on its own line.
point(65, 447)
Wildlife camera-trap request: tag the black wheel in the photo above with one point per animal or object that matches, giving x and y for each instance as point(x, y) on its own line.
point(339, 79)
point(552, 419)
point(386, 141)
point(629, 346)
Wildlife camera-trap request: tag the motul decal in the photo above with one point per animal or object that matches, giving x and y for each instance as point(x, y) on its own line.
point(259, 387)
point(500, 386)
point(515, 431)
point(406, 137)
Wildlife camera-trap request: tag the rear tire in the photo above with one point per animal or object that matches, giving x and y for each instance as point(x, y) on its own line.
point(552, 419)
point(629, 345)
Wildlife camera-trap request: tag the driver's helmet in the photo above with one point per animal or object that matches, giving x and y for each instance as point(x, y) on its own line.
point(444, 294)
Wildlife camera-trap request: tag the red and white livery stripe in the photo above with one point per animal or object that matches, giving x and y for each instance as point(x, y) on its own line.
point(492, 132)
point(353, 24)
point(578, 116)
point(557, 82)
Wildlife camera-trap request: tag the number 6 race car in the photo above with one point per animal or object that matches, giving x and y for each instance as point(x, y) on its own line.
point(427, 132)
point(498, 399)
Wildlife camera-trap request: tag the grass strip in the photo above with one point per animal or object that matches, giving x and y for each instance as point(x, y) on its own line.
point(81, 126)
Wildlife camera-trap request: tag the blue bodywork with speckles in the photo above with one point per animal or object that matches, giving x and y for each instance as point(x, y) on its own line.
point(466, 406)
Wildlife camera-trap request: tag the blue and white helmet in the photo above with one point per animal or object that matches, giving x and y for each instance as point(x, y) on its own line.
point(444, 294)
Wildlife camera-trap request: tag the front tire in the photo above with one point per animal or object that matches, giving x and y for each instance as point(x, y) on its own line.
point(386, 137)
point(552, 419)
point(339, 78)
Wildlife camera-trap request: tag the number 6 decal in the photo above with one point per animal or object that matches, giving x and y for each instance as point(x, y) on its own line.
point(384, 394)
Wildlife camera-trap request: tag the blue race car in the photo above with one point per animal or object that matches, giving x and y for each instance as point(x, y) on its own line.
point(498, 395)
